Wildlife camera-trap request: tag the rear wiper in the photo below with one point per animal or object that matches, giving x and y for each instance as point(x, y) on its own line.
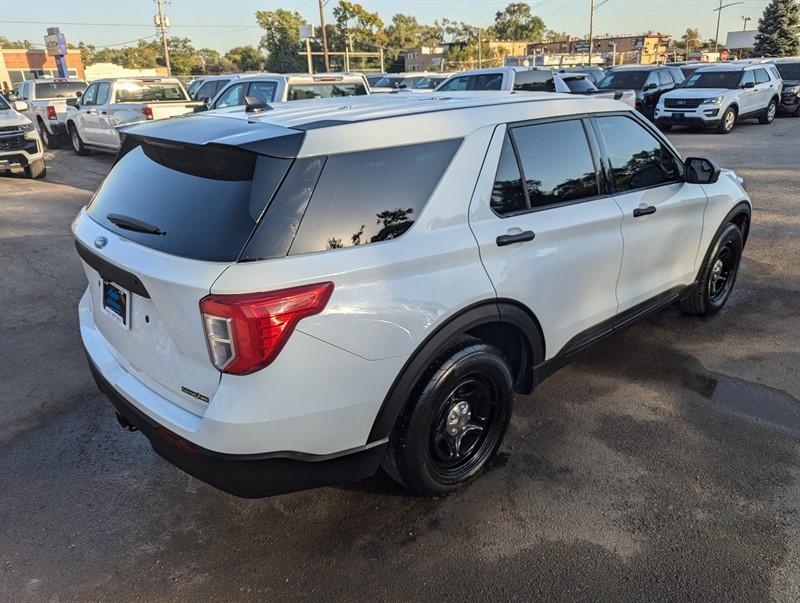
point(129, 223)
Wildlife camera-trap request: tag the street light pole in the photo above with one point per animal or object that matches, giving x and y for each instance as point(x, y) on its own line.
point(719, 17)
point(745, 20)
point(591, 31)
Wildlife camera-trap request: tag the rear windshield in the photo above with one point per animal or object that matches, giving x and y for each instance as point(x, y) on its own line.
point(58, 89)
point(714, 79)
point(789, 71)
point(205, 200)
point(325, 90)
point(581, 84)
point(621, 80)
point(149, 92)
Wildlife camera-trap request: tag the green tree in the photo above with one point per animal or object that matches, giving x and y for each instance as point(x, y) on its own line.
point(690, 39)
point(281, 39)
point(245, 58)
point(779, 30)
point(183, 57)
point(6, 43)
point(357, 27)
point(517, 22)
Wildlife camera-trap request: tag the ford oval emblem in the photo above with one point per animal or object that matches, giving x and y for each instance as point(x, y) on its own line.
point(100, 242)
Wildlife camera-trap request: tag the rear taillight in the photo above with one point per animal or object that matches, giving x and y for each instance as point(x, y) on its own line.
point(246, 332)
point(148, 112)
point(51, 112)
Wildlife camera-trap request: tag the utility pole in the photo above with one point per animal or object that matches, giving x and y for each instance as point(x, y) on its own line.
point(745, 20)
point(162, 23)
point(591, 31)
point(719, 17)
point(324, 36)
point(480, 49)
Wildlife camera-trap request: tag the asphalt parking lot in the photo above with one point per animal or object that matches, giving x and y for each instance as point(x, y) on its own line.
point(665, 464)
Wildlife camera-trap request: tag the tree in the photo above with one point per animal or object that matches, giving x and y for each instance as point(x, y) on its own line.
point(556, 36)
point(245, 58)
point(779, 29)
point(357, 27)
point(6, 43)
point(517, 22)
point(183, 57)
point(690, 39)
point(281, 39)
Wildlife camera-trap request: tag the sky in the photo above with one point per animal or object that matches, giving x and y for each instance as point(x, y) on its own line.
point(222, 24)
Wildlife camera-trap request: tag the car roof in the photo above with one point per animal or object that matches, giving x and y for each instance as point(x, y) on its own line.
point(643, 67)
point(729, 67)
point(308, 76)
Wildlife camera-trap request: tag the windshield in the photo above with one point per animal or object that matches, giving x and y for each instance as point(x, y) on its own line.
point(789, 71)
point(58, 89)
point(714, 79)
point(429, 83)
point(149, 92)
point(621, 80)
point(307, 91)
point(3, 104)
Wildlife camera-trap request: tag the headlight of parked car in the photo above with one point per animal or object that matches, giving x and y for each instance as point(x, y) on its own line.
point(29, 127)
point(793, 90)
point(717, 100)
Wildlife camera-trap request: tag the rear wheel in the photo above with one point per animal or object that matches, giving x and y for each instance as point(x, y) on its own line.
point(50, 141)
point(769, 113)
point(728, 121)
point(77, 142)
point(36, 169)
point(454, 422)
point(716, 281)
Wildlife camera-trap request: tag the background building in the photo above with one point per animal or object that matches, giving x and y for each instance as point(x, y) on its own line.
point(17, 64)
point(616, 50)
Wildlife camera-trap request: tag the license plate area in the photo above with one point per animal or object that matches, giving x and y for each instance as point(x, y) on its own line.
point(116, 304)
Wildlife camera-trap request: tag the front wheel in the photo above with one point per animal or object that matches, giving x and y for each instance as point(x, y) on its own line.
point(728, 121)
point(718, 276)
point(454, 421)
point(77, 141)
point(769, 113)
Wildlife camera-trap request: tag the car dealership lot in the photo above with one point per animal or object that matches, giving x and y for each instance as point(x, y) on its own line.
point(663, 464)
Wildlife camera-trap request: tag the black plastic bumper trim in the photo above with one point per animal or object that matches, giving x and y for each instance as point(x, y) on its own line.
point(247, 476)
point(110, 272)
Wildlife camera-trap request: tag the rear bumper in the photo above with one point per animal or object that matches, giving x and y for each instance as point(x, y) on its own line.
point(250, 475)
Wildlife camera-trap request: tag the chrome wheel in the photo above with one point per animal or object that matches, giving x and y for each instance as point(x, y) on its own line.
point(44, 135)
point(463, 434)
point(76, 140)
point(722, 272)
point(730, 120)
point(771, 111)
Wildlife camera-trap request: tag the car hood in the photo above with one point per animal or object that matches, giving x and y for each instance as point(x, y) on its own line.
point(791, 83)
point(9, 117)
point(696, 92)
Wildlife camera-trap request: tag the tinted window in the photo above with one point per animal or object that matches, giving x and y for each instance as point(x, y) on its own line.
point(455, 84)
point(556, 162)
point(487, 81)
point(620, 80)
point(579, 84)
point(534, 81)
point(58, 89)
point(507, 194)
point(232, 97)
point(664, 78)
point(714, 79)
point(328, 90)
point(207, 90)
point(789, 71)
point(637, 158)
point(207, 200)
point(103, 88)
point(371, 196)
point(264, 91)
point(761, 76)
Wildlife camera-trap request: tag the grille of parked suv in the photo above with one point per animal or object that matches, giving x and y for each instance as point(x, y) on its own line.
point(682, 103)
point(9, 128)
point(12, 143)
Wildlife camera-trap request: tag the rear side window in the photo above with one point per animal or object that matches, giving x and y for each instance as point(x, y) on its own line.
point(326, 90)
point(371, 196)
point(761, 76)
point(638, 159)
point(205, 200)
point(207, 89)
point(508, 196)
point(487, 81)
point(664, 78)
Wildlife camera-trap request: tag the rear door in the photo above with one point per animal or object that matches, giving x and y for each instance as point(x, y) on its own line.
point(548, 236)
point(663, 215)
point(765, 87)
point(164, 225)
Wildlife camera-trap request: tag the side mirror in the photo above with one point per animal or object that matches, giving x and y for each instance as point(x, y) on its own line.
point(701, 171)
point(651, 86)
point(78, 93)
point(20, 105)
point(748, 85)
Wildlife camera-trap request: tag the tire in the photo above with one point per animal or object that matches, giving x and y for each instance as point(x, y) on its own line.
point(768, 116)
point(36, 170)
point(453, 422)
point(77, 141)
point(50, 141)
point(728, 121)
point(709, 295)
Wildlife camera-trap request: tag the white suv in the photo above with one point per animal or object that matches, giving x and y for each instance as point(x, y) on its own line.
point(288, 297)
point(718, 96)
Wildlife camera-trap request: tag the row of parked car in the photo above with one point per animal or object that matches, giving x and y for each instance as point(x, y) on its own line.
point(89, 115)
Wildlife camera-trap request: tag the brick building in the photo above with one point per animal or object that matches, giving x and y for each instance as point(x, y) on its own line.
point(17, 64)
point(645, 49)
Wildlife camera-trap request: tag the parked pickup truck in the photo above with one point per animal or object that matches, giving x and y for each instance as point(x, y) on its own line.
point(20, 145)
point(581, 83)
point(47, 101)
point(109, 103)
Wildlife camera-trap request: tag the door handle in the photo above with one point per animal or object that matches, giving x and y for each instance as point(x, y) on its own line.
point(644, 211)
point(103, 112)
point(519, 237)
point(91, 111)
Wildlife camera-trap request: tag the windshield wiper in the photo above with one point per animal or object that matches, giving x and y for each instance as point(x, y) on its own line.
point(128, 223)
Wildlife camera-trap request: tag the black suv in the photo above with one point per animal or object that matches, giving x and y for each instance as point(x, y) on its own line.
point(648, 81)
point(790, 73)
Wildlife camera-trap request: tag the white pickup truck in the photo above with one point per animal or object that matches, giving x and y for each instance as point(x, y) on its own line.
point(47, 100)
point(110, 103)
point(20, 145)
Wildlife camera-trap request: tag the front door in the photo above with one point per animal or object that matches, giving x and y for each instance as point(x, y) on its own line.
point(548, 238)
point(87, 118)
point(662, 214)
